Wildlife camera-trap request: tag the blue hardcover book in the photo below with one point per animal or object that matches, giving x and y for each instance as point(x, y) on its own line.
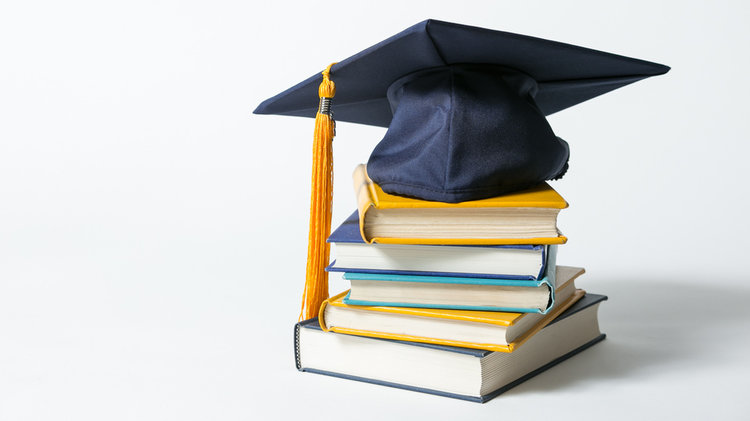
point(519, 262)
point(460, 293)
point(446, 370)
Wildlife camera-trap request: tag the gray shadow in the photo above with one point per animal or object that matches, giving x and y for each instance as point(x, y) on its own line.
point(653, 329)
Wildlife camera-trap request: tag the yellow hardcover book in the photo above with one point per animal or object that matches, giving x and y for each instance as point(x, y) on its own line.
point(490, 330)
point(525, 217)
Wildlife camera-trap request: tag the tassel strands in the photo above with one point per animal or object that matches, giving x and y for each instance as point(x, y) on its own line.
point(321, 201)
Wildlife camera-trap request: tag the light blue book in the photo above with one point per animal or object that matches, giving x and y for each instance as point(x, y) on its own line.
point(459, 293)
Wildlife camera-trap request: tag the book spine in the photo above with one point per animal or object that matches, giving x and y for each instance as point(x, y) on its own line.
point(550, 266)
point(551, 301)
point(297, 361)
point(322, 313)
point(545, 256)
point(365, 197)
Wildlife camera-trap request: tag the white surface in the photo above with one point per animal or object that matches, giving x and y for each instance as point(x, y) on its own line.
point(136, 255)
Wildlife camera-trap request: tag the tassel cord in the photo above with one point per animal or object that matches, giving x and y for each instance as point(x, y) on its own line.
point(321, 201)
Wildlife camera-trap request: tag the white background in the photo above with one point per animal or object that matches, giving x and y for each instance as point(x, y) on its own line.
point(153, 231)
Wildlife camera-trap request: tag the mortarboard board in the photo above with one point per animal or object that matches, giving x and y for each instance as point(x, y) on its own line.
point(465, 109)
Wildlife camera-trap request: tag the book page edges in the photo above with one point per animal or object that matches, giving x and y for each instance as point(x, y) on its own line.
point(322, 311)
point(369, 195)
point(577, 295)
point(409, 338)
point(492, 317)
point(485, 346)
point(366, 198)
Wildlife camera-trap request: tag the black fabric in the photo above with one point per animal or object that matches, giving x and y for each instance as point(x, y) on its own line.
point(566, 74)
point(465, 106)
point(480, 134)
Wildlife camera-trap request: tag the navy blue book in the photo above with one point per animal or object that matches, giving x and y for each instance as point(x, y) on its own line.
point(461, 373)
point(514, 262)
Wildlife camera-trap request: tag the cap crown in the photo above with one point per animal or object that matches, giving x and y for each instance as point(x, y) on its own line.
point(465, 132)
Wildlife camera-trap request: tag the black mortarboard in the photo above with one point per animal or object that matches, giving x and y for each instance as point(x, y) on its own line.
point(465, 109)
point(465, 106)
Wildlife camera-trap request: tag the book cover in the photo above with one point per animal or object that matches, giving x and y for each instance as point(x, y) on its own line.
point(370, 195)
point(547, 282)
point(349, 233)
point(498, 318)
point(587, 301)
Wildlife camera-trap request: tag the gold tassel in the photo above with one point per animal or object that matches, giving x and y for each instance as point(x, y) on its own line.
point(321, 201)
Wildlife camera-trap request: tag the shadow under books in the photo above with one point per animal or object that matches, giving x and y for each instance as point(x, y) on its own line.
point(653, 329)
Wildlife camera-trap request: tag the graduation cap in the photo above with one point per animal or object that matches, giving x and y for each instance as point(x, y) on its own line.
point(465, 109)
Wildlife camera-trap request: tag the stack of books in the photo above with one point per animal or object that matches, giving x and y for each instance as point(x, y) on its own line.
point(463, 300)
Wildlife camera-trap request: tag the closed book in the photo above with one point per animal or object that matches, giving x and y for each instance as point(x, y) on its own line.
point(509, 295)
point(456, 372)
point(525, 217)
point(490, 330)
point(520, 261)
